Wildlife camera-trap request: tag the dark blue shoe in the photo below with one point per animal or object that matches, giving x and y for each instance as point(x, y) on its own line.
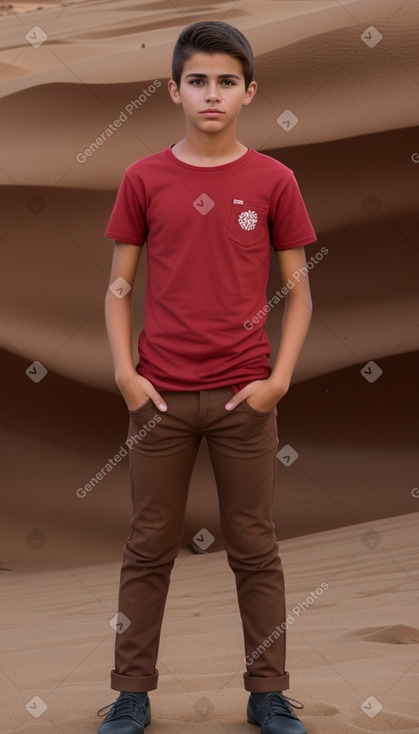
point(275, 715)
point(128, 715)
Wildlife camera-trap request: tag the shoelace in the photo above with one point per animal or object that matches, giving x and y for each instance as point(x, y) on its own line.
point(108, 706)
point(122, 706)
point(292, 702)
point(281, 705)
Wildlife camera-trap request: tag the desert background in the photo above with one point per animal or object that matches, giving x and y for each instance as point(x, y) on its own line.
point(346, 509)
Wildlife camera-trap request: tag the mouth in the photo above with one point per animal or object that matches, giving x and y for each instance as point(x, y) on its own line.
point(211, 113)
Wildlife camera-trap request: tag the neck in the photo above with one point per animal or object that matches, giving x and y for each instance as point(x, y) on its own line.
point(201, 145)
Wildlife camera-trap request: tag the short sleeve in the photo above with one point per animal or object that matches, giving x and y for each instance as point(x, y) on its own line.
point(128, 219)
point(291, 225)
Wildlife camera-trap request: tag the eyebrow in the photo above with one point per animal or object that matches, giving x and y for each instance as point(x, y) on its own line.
point(220, 76)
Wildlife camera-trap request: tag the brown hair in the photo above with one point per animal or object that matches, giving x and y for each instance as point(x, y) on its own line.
point(213, 37)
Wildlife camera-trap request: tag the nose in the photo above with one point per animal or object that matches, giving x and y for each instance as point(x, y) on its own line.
point(213, 92)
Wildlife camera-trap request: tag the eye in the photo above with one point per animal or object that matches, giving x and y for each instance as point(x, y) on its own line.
point(196, 82)
point(228, 82)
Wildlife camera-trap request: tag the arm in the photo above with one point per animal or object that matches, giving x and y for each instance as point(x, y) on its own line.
point(264, 394)
point(135, 389)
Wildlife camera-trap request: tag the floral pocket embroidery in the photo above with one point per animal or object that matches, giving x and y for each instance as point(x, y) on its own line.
point(248, 220)
point(247, 224)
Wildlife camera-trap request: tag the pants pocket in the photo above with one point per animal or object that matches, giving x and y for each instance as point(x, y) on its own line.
point(259, 413)
point(141, 407)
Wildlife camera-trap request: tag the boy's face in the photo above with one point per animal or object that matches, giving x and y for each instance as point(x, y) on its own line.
point(212, 82)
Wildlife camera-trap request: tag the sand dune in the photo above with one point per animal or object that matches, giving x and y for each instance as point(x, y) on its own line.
point(352, 467)
point(59, 642)
point(78, 90)
point(57, 277)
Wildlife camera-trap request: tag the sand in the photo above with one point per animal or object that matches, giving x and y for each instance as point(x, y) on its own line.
point(352, 650)
point(346, 510)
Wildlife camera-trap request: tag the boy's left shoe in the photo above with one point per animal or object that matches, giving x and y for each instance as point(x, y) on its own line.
point(275, 715)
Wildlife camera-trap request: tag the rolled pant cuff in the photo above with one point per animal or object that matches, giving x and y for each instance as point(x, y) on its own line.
point(256, 684)
point(133, 684)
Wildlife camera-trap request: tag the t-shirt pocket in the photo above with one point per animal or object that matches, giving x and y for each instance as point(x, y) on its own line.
point(247, 224)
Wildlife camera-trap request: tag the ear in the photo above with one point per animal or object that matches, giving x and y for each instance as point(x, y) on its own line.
point(174, 91)
point(250, 93)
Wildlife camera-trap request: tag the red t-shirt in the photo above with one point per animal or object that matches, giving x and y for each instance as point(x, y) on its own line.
point(209, 233)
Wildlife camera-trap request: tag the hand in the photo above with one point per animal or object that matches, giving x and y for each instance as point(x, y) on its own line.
point(136, 390)
point(260, 394)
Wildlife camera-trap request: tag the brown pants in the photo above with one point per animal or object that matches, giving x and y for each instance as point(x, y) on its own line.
point(242, 445)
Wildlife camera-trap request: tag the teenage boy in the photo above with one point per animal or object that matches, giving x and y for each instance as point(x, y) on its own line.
point(210, 210)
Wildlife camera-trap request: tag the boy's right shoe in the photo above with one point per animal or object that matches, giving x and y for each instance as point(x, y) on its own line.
point(130, 714)
point(274, 714)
